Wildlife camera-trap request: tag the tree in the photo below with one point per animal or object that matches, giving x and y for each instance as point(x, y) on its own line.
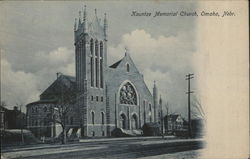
point(63, 107)
point(198, 111)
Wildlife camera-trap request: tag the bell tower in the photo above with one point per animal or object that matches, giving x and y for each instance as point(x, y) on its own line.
point(90, 40)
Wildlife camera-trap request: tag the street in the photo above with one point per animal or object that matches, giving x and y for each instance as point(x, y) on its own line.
point(109, 148)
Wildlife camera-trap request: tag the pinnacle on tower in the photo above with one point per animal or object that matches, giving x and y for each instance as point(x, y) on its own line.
point(105, 26)
point(84, 14)
point(75, 24)
point(160, 101)
point(84, 19)
point(79, 23)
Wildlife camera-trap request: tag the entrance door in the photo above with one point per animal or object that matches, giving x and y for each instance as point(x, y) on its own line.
point(123, 121)
point(134, 122)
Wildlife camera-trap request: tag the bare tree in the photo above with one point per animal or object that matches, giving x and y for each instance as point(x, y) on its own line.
point(198, 111)
point(63, 109)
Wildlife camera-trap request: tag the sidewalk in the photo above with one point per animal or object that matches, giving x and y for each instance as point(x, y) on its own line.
point(126, 138)
point(59, 145)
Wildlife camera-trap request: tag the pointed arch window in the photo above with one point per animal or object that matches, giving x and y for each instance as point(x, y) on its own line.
point(128, 94)
point(101, 49)
point(150, 112)
point(128, 67)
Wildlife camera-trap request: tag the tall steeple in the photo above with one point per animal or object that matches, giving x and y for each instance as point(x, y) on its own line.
point(155, 97)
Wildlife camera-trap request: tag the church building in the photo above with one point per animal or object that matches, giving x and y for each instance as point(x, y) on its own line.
point(105, 97)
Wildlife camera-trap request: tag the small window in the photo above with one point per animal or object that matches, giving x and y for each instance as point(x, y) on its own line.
point(97, 98)
point(101, 98)
point(102, 116)
point(103, 133)
point(93, 117)
point(93, 133)
point(45, 109)
point(127, 67)
point(92, 98)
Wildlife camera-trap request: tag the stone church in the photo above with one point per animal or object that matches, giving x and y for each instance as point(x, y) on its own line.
point(106, 97)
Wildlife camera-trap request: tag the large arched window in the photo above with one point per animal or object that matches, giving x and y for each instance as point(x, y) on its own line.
point(128, 94)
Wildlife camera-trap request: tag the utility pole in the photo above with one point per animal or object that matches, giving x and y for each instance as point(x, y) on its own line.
point(161, 118)
point(167, 119)
point(21, 123)
point(188, 78)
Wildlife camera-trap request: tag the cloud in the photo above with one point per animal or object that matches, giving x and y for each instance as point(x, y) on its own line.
point(24, 86)
point(164, 59)
point(17, 87)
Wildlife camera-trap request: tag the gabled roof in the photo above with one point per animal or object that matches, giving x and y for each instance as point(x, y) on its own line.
point(173, 117)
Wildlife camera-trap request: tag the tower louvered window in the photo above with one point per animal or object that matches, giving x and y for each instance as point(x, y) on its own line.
point(101, 64)
point(96, 64)
point(92, 62)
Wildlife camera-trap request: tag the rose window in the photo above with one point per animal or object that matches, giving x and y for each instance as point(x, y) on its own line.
point(128, 95)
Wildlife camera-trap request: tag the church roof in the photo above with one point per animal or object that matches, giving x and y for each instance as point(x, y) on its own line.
point(63, 82)
point(115, 64)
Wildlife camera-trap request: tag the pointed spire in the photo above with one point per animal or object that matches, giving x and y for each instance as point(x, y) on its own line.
point(85, 19)
point(160, 100)
point(84, 13)
point(75, 24)
point(95, 12)
point(126, 51)
point(105, 25)
point(154, 83)
point(79, 23)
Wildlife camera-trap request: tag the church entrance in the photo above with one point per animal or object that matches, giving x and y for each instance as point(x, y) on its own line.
point(123, 121)
point(134, 122)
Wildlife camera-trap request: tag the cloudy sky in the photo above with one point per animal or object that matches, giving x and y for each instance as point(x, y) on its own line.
point(37, 41)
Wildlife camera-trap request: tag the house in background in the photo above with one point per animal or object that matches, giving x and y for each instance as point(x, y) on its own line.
point(173, 122)
point(12, 119)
